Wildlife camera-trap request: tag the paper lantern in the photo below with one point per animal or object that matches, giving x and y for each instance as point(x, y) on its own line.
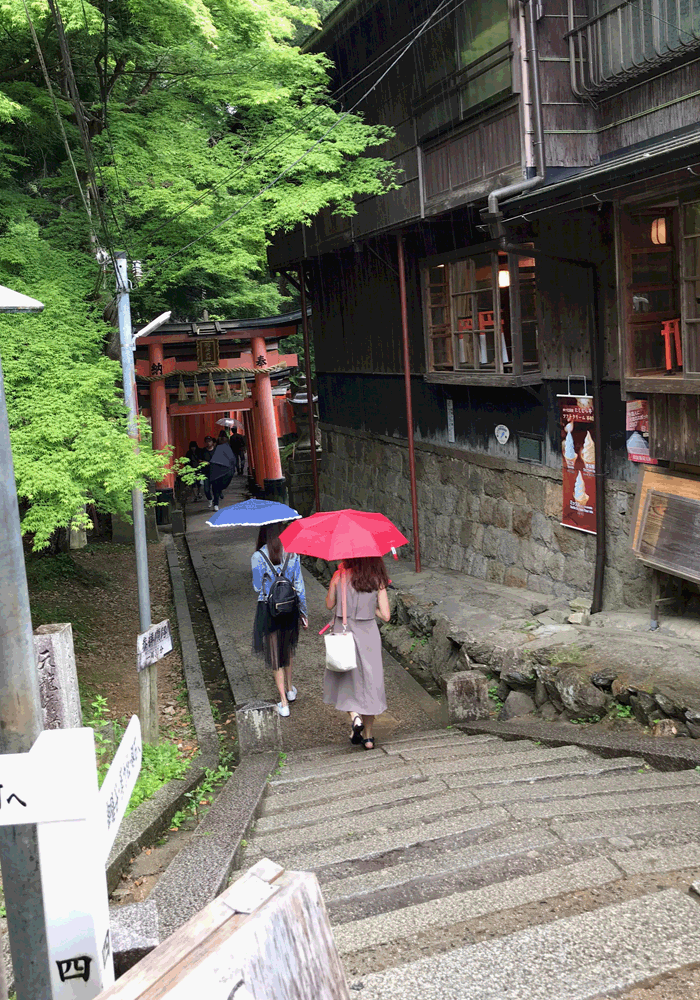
point(658, 231)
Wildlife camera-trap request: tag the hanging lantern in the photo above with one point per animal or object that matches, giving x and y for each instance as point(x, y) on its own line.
point(196, 395)
point(658, 231)
point(182, 396)
point(504, 278)
point(212, 394)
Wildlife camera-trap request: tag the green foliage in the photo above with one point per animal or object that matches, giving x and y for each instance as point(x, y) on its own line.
point(618, 711)
point(160, 763)
point(493, 695)
point(194, 111)
point(201, 796)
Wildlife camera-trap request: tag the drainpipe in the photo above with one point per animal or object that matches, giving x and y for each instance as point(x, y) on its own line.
point(493, 215)
point(409, 403)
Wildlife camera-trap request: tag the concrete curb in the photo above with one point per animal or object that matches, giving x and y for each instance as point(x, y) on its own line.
point(665, 755)
point(153, 817)
point(238, 678)
point(202, 868)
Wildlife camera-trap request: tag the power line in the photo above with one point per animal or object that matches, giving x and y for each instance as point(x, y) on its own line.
point(318, 142)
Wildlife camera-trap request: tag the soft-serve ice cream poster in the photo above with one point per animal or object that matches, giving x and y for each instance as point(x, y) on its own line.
point(578, 460)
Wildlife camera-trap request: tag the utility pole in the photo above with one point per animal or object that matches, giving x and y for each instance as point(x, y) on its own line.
point(148, 677)
point(22, 721)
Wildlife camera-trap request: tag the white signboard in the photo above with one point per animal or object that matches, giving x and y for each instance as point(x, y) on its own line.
point(153, 645)
point(119, 781)
point(450, 419)
point(35, 788)
point(55, 786)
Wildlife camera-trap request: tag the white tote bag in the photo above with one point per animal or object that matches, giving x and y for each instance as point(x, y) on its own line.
point(341, 653)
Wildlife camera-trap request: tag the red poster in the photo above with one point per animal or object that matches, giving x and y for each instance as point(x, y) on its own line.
point(637, 432)
point(578, 459)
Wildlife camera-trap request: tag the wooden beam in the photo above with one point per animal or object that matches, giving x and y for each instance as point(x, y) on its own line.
point(198, 409)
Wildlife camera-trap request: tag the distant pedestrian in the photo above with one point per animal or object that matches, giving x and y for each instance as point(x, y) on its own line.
point(275, 636)
point(194, 460)
point(360, 692)
point(221, 469)
point(207, 452)
point(237, 443)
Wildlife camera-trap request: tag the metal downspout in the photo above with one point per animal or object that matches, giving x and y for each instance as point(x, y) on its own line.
point(409, 403)
point(596, 349)
point(494, 215)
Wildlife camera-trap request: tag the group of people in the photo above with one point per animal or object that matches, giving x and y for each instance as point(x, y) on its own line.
point(218, 461)
point(359, 692)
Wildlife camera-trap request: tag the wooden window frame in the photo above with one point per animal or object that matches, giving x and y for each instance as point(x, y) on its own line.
point(493, 372)
point(658, 381)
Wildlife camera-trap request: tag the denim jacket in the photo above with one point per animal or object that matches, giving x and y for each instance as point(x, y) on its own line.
point(262, 576)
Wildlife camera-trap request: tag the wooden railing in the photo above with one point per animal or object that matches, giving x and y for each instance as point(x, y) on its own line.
point(629, 39)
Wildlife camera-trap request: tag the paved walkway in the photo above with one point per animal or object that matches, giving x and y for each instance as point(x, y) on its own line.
point(221, 558)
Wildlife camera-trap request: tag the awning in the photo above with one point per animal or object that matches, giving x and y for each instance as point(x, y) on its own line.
point(678, 154)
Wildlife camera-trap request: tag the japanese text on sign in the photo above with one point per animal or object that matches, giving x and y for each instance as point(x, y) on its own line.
point(153, 645)
point(120, 779)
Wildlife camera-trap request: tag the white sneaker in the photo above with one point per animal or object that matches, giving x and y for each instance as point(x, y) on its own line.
point(292, 694)
point(211, 504)
point(283, 710)
point(216, 506)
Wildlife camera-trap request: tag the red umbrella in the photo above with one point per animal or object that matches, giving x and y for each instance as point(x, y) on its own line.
point(342, 534)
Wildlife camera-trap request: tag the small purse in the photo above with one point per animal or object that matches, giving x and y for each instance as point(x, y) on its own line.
point(341, 653)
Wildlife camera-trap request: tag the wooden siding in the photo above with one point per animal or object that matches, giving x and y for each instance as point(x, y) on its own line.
point(357, 310)
point(673, 428)
point(473, 155)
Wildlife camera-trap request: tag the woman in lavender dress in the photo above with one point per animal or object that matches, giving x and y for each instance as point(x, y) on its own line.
point(360, 692)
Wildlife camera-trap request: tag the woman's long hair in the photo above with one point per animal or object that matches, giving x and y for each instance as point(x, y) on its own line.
point(269, 535)
point(367, 574)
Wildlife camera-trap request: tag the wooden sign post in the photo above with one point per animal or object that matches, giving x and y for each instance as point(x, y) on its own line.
point(266, 937)
point(55, 786)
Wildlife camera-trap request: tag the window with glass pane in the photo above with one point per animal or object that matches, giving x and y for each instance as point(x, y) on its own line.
point(482, 311)
point(651, 307)
point(439, 322)
point(691, 282)
point(482, 28)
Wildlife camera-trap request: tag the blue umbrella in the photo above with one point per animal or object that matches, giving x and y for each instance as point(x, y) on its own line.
point(252, 514)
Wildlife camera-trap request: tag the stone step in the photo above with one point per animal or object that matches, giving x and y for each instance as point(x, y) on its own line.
point(636, 822)
point(279, 801)
point(418, 746)
point(658, 859)
point(612, 802)
point(484, 762)
point(477, 873)
point(409, 922)
point(303, 816)
point(337, 888)
point(401, 815)
point(505, 779)
point(602, 781)
point(354, 848)
point(357, 759)
point(589, 955)
point(430, 738)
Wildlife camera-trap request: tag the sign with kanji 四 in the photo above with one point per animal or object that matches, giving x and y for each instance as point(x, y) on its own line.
point(153, 645)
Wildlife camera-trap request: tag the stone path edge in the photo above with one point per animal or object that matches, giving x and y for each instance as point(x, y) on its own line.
point(665, 755)
point(153, 816)
point(238, 678)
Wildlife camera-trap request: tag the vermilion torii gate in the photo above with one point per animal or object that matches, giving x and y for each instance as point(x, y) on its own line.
point(190, 374)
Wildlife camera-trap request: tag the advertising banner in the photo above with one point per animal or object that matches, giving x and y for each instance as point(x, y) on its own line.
point(637, 432)
point(578, 458)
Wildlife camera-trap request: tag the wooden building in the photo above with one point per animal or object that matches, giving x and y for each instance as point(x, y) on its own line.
point(548, 156)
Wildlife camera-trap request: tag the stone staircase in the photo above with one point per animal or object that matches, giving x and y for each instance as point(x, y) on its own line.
point(458, 866)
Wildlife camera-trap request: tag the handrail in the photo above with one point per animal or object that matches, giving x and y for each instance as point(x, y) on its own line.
point(625, 41)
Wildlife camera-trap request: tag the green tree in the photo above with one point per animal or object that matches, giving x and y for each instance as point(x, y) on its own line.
point(197, 130)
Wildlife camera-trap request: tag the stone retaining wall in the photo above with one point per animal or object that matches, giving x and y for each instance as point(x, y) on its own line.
point(491, 518)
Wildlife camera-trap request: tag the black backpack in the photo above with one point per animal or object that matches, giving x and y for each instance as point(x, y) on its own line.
point(283, 598)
